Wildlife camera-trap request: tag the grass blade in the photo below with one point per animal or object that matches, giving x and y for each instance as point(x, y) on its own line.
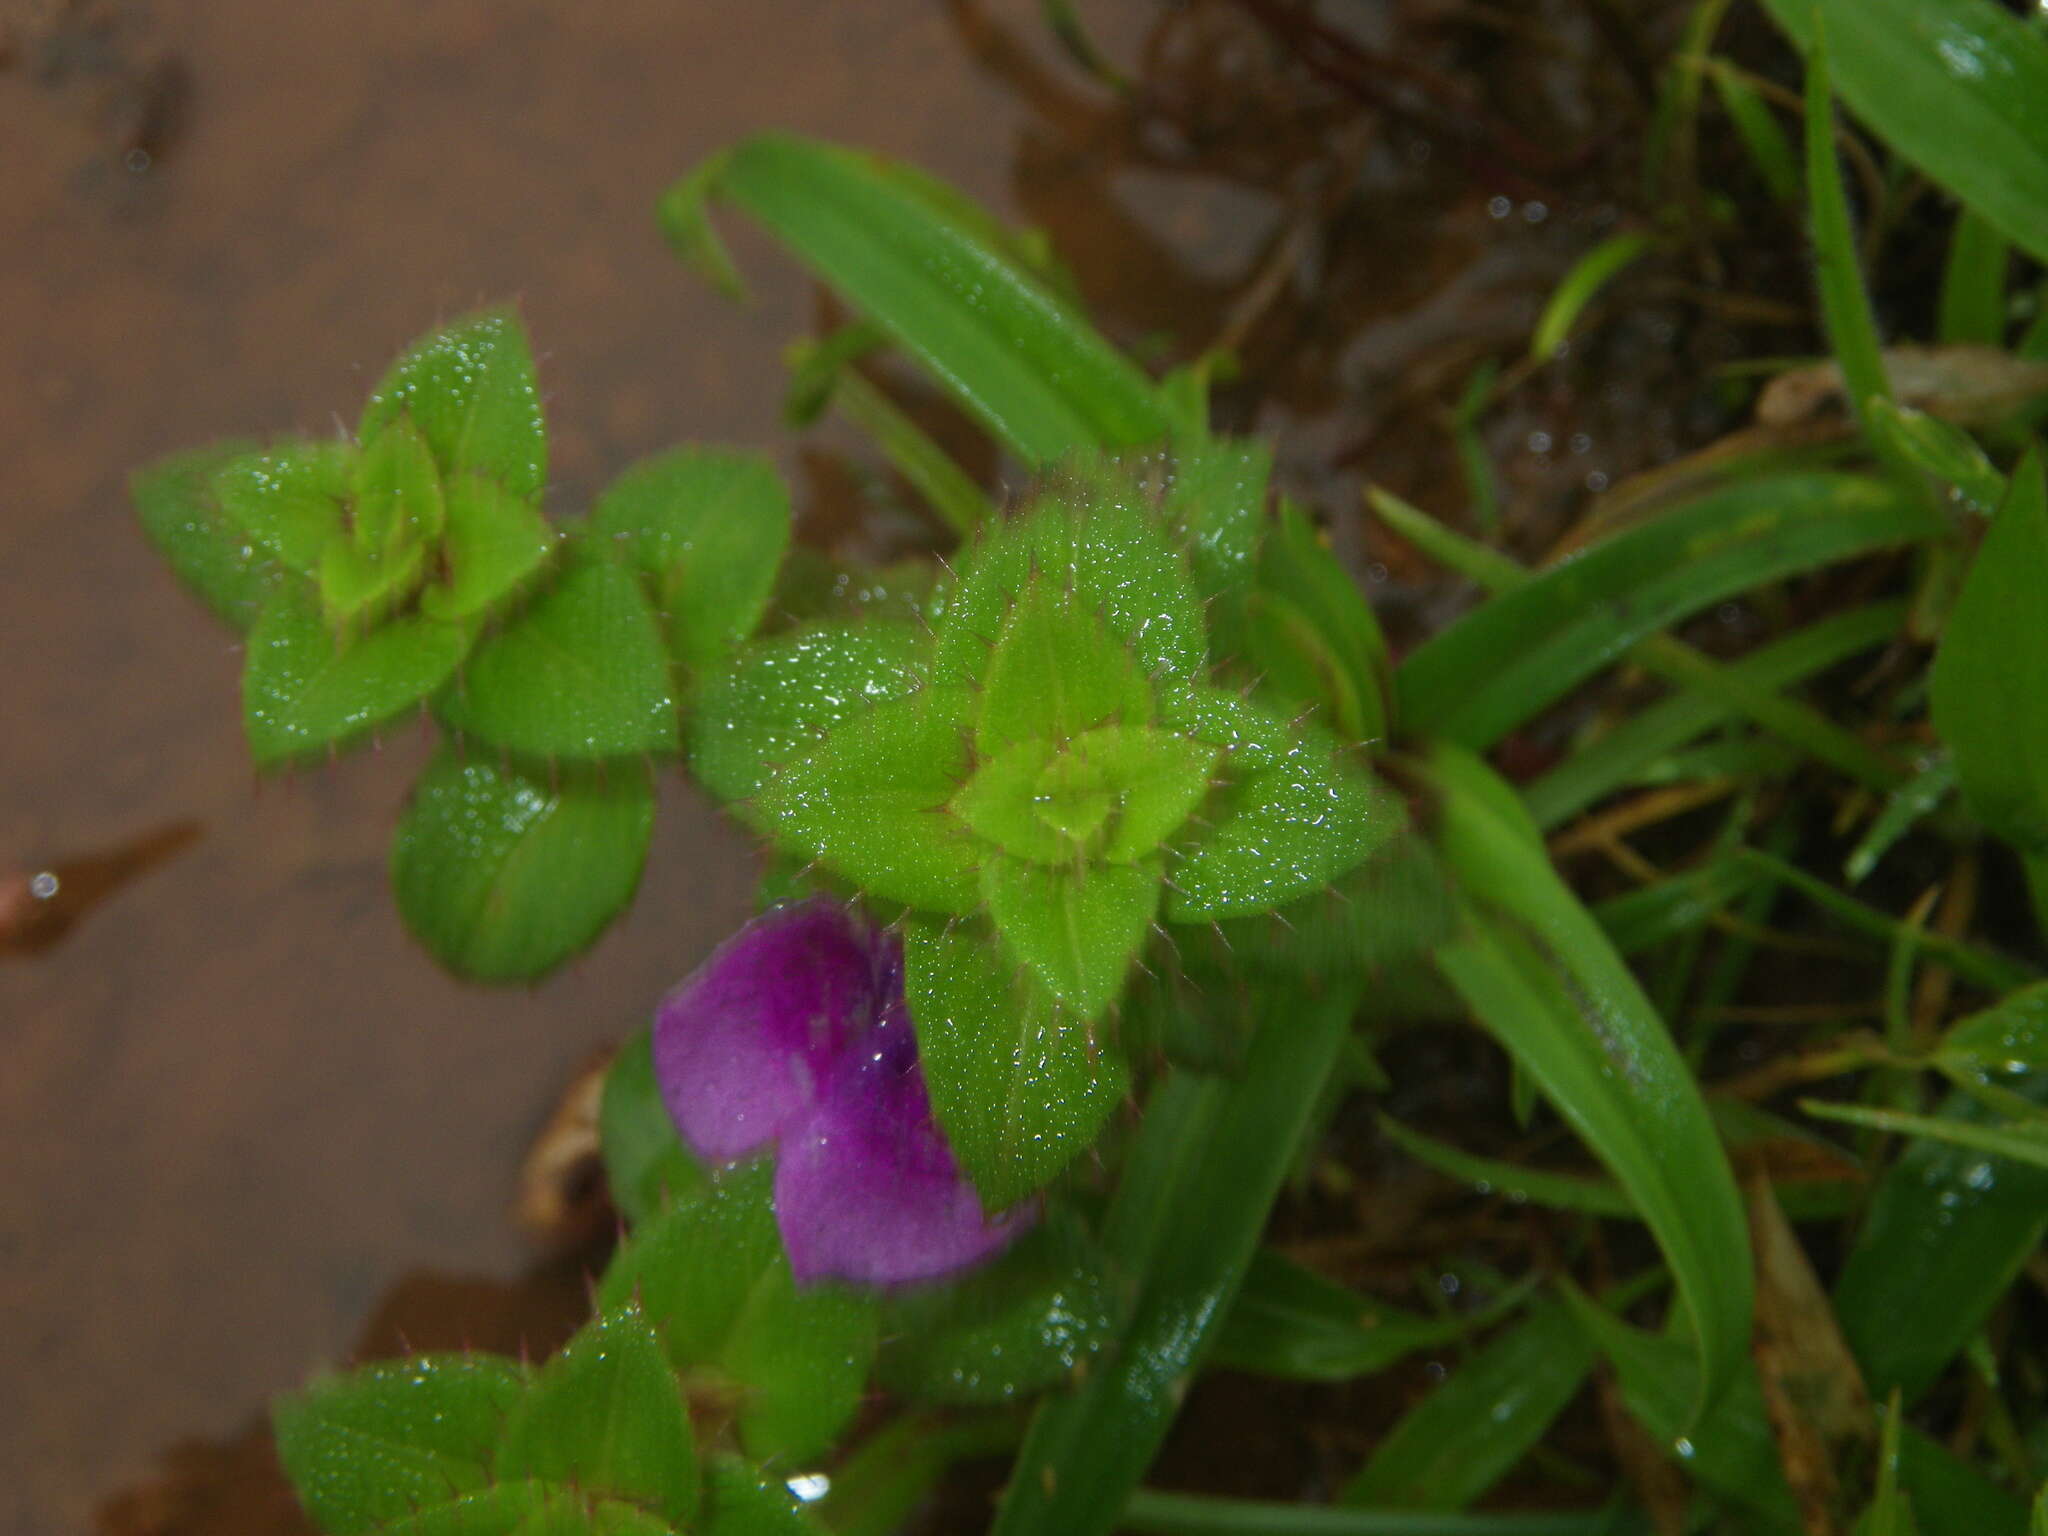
point(1190, 1514)
point(1208, 1163)
point(1624, 752)
point(1558, 1191)
point(1291, 1322)
point(1507, 660)
point(1534, 967)
point(1973, 283)
point(1844, 302)
point(1468, 1434)
point(1765, 142)
point(1955, 86)
point(1944, 1221)
point(1575, 290)
point(926, 268)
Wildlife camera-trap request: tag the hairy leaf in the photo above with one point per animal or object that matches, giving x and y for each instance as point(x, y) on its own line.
point(607, 1415)
point(778, 697)
point(289, 499)
point(709, 526)
point(180, 512)
point(368, 1447)
point(1020, 1084)
point(469, 388)
point(580, 672)
point(1076, 928)
point(504, 876)
point(711, 1276)
point(870, 802)
point(305, 689)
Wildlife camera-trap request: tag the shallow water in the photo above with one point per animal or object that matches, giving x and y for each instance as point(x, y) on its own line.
point(239, 1101)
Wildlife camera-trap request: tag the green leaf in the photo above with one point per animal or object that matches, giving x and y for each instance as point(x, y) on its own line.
point(1906, 806)
point(1158, 779)
point(1940, 449)
point(823, 374)
point(580, 672)
point(504, 877)
point(685, 217)
point(1376, 923)
point(1513, 656)
point(711, 1275)
point(870, 802)
point(469, 388)
point(2009, 1039)
point(1577, 288)
point(1951, 1497)
point(1011, 1328)
point(1076, 928)
point(1844, 300)
point(1536, 970)
point(1805, 729)
point(303, 688)
point(528, 1509)
point(357, 591)
point(607, 1415)
point(1945, 1221)
point(1202, 1176)
point(1654, 914)
point(646, 1166)
point(1730, 1450)
point(2022, 1141)
point(1618, 757)
point(288, 499)
point(709, 526)
point(1009, 351)
point(1468, 1434)
point(1972, 309)
point(1762, 139)
point(1953, 85)
point(493, 542)
point(1055, 672)
point(1216, 501)
point(1309, 612)
point(1001, 804)
point(1281, 832)
point(1200, 1514)
point(1989, 687)
point(878, 1489)
point(1890, 1511)
point(1116, 793)
point(1094, 536)
point(180, 513)
point(1290, 1322)
point(1019, 1083)
point(397, 493)
point(379, 1442)
point(1558, 1191)
point(778, 697)
point(741, 1499)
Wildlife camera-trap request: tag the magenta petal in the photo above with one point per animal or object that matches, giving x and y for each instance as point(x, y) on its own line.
point(742, 1046)
point(867, 1189)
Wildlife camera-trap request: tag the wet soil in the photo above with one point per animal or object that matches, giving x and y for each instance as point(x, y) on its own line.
point(239, 1102)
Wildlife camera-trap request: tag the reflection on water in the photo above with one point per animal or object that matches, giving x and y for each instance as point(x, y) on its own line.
point(238, 1100)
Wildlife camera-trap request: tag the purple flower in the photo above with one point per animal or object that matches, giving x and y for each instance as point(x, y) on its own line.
point(795, 1034)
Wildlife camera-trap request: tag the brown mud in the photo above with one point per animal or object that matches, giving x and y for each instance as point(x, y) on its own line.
point(239, 1101)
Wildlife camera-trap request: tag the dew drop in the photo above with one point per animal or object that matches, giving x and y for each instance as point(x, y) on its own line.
point(809, 1487)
